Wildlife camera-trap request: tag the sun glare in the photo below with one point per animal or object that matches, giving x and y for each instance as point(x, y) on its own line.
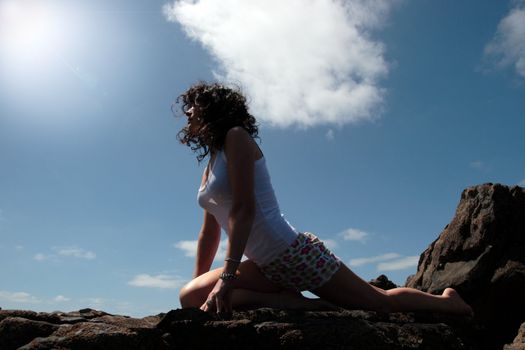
point(29, 32)
point(33, 41)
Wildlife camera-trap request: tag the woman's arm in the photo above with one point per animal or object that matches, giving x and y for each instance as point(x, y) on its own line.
point(239, 150)
point(240, 153)
point(209, 238)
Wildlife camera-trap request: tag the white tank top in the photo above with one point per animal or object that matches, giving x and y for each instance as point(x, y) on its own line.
point(271, 234)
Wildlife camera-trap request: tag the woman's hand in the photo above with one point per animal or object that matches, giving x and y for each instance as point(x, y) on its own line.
point(219, 298)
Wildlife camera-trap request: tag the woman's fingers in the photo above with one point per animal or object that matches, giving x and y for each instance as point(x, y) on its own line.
point(219, 304)
point(228, 305)
point(208, 304)
point(223, 304)
point(204, 307)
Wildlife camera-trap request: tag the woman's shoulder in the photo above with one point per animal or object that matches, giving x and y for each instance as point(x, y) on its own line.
point(237, 136)
point(237, 131)
point(239, 140)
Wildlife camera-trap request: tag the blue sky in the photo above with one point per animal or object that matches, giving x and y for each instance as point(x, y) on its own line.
point(374, 116)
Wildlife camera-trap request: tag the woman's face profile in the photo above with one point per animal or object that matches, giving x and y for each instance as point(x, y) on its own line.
point(194, 118)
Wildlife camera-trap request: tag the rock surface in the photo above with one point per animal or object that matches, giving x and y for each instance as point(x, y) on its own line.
point(84, 329)
point(266, 328)
point(253, 329)
point(481, 253)
point(519, 341)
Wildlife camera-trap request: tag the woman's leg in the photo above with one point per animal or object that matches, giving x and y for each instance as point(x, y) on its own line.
point(195, 292)
point(348, 290)
point(252, 288)
point(280, 300)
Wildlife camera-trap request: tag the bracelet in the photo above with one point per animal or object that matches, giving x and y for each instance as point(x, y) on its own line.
point(225, 276)
point(233, 260)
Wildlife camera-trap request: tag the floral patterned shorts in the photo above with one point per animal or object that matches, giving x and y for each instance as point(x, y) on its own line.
point(306, 265)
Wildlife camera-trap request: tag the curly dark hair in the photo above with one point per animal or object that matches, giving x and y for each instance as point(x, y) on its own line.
point(222, 109)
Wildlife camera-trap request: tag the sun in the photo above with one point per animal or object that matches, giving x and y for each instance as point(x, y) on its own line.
point(29, 31)
point(33, 38)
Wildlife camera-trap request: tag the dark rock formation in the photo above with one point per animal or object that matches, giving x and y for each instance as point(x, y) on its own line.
point(84, 329)
point(519, 341)
point(383, 282)
point(266, 328)
point(252, 329)
point(481, 253)
point(17, 331)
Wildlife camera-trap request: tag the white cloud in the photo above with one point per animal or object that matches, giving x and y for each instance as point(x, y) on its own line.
point(301, 62)
point(76, 253)
point(373, 259)
point(508, 45)
point(399, 264)
point(158, 281)
point(353, 234)
point(41, 257)
point(95, 303)
point(61, 299)
point(18, 297)
point(522, 183)
point(190, 249)
point(73, 252)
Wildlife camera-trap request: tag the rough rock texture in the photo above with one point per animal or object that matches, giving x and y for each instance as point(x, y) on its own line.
point(84, 329)
point(519, 341)
point(266, 328)
point(481, 253)
point(252, 329)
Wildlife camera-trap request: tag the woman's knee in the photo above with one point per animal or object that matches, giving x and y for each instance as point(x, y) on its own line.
point(195, 292)
point(184, 296)
point(189, 296)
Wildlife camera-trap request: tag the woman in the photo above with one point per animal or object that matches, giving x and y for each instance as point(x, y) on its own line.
point(237, 195)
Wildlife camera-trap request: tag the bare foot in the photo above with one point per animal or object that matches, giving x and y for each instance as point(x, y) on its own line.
point(458, 305)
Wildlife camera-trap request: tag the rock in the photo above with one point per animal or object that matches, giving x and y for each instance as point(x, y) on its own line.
point(30, 315)
point(89, 335)
point(383, 282)
point(128, 322)
point(481, 254)
point(17, 331)
point(84, 329)
point(268, 328)
point(519, 341)
point(254, 329)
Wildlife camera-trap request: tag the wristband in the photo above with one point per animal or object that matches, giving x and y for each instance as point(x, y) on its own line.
point(225, 276)
point(233, 260)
